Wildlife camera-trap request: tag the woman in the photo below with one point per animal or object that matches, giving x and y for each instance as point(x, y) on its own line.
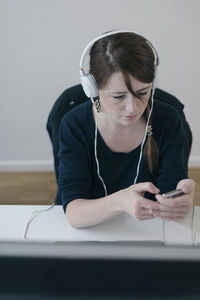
point(103, 168)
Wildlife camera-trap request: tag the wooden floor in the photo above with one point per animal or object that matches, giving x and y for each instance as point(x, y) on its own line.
point(194, 173)
point(40, 187)
point(27, 188)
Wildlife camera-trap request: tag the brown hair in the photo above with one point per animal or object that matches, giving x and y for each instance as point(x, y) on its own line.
point(130, 54)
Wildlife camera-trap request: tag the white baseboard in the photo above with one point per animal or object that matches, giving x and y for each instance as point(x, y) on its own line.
point(47, 165)
point(26, 165)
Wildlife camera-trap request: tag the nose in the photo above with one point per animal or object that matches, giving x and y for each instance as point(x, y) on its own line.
point(130, 104)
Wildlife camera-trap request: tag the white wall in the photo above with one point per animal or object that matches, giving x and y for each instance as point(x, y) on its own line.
point(41, 43)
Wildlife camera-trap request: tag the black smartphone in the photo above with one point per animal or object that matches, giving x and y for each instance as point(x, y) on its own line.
point(173, 194)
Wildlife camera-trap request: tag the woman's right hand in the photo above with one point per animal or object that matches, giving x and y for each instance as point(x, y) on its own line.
point(133, 201)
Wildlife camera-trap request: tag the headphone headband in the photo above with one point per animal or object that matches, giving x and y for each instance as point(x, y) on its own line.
point(87, 80)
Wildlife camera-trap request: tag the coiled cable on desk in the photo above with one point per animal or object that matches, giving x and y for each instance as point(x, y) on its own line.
point(33, 216)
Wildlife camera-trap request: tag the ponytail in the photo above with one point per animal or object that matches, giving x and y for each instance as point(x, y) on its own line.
point(151, 150)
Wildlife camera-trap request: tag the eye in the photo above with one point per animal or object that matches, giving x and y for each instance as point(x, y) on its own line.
point(141, 93)
point(119, 97)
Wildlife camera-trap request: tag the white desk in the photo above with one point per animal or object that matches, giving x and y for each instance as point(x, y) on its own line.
point(52, 226)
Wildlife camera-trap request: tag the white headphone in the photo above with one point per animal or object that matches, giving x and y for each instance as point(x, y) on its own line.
point(88, 81)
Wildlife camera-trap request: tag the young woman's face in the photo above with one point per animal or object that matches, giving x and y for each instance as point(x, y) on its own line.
point(119, 105)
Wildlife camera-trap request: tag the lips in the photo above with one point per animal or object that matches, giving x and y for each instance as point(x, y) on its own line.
point(130, 116)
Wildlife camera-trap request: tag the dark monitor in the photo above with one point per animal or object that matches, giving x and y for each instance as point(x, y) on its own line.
point(98, 270)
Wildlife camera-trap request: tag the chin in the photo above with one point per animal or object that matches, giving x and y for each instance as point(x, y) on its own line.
point(128, 122)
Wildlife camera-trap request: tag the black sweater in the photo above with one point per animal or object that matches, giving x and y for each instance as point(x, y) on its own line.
point(77, 165)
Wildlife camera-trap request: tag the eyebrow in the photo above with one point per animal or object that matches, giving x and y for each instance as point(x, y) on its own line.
point(143, 88)
point(113, 92)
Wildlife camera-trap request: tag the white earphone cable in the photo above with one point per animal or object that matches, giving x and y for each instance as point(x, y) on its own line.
point(96, 158)
point(141, 148)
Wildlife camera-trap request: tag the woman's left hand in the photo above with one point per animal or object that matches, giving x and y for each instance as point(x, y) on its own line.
point(174, 209)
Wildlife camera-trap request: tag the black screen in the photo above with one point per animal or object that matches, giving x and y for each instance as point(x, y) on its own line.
point(57, 277)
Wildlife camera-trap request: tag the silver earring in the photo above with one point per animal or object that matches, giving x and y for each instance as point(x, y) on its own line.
point(98, 105)
point(149, 130)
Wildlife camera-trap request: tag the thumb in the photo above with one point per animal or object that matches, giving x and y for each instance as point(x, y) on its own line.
point(186, 185)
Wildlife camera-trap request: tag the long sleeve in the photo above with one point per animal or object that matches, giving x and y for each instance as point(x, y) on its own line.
point(74, 180)
point(172, 165)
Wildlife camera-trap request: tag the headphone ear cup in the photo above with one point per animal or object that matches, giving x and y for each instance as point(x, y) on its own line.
point(89, 85)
